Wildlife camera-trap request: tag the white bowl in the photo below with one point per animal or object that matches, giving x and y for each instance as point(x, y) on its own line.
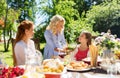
point(104, 66)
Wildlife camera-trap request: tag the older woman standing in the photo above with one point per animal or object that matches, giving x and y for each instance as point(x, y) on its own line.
point(24, 44)
point(54, 35)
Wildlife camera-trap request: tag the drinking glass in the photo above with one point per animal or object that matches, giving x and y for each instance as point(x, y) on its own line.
point(112, 70)
point(2, 61)
point(73, 75)
point(1, 58)
point(69, 75)
point(62, 54)
point(76, 75)
point(118, 66)
point(31, 61)
point(39, 57)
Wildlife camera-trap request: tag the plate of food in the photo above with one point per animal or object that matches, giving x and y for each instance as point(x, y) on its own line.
point(52, 68)
point(78, 66)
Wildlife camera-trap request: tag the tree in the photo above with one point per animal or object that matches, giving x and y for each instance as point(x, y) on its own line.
point(2, 11)
point(105, 16)
point(26, 7)
point(11, 10)
point(63, 8)
point(74, 24)
point(85, 5)
point(9, 16)
point(81, 6)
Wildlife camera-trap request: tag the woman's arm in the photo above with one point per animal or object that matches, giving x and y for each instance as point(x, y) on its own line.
point(59, 50)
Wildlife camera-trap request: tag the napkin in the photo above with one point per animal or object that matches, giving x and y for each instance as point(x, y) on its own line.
point(93, 54)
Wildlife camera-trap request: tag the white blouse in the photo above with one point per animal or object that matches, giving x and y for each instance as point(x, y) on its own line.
point(22, 49)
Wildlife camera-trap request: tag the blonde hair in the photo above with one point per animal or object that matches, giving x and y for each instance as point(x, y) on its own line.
point(53, 23)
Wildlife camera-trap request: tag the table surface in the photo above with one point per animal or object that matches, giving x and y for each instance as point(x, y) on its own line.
point(88, 75)
point(94, 73)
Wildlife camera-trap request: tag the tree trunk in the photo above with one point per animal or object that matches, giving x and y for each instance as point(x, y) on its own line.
point(10, 36)
point(4, 30)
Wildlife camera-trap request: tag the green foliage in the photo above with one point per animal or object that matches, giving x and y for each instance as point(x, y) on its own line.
point(0, 34)
point(2, 8)
point(105, 16)
point(81, 6)
point(39, 33)
point(65, 8)
point(110, 44)
point(74, 24)
point(85, 5)
point(9, 16)
point(27, 8)
point(12, 15)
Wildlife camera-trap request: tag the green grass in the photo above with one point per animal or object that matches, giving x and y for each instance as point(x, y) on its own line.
point(8, 55)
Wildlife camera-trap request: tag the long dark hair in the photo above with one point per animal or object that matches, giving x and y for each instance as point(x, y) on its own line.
point(88, 37)
point(21, 29)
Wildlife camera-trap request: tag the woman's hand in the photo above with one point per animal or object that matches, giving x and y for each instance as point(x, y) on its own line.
point(60, 50)
point(65, 47)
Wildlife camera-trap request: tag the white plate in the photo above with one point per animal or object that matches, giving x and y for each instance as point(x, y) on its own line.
point(88, 59)
point(84, 69)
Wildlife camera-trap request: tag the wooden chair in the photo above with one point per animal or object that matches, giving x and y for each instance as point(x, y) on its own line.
point(14, 58)
point(37, 46)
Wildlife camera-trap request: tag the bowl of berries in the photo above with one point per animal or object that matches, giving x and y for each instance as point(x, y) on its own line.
point(11, 72)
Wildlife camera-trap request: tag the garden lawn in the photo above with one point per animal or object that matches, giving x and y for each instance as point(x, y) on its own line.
point(7, 56)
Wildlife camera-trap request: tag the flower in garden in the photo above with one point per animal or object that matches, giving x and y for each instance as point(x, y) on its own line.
point(107, 40)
